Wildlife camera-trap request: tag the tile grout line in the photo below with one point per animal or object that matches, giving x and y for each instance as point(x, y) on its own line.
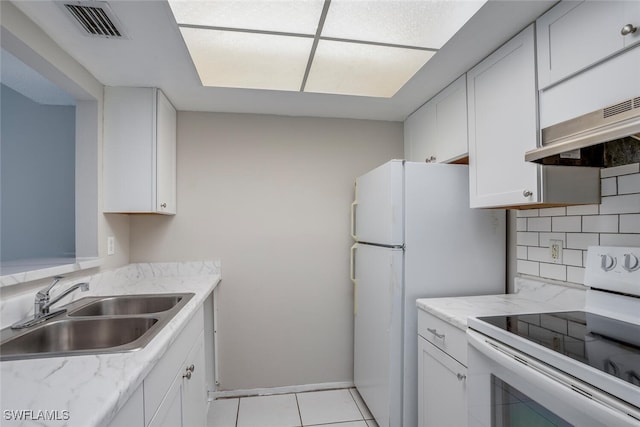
point(298, 406)
point(238, 413)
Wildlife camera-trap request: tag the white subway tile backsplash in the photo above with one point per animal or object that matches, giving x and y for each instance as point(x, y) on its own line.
point(545, 237)
point(572, 257)
point(553, 271)
point(609, 186)
point(629, 203)
point(620, 170)
point(583, 210)
point(521, 224)
point(575, 274)
point(526, 213)
point(567, 223)
point(620, 240)
point(600, 224)
point(553, 211)
point(582, 240)
point(629, 184)
point(539, 254)
point(527, 239)
point(528, 267)
point(521, 252)
point(614, 222)
point(630, 223)
point(539, 224)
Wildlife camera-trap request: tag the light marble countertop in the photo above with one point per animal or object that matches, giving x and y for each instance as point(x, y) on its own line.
point(94, 388)
point(529, 297)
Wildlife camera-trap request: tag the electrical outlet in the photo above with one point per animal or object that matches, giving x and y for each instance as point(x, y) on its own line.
point(555, 251)
point(111, 245)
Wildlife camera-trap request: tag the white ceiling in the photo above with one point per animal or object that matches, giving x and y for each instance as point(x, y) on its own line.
point(155, 55)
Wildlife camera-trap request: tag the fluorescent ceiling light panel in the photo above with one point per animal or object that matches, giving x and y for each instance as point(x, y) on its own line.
point(427, 24)
point(288, 16)
point(362, 69)
point(248, 60)
point(364, 48)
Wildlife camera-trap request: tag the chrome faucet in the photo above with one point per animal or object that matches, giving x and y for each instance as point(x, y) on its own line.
point(43, 303)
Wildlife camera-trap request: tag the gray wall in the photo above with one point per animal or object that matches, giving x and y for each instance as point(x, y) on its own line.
point(270, 196)
point(38, 178)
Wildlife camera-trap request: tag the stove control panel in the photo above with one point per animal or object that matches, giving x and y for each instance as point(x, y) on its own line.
point(613, 268)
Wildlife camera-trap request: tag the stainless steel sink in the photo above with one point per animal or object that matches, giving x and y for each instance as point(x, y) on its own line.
point(128, 305)
point(95, 325)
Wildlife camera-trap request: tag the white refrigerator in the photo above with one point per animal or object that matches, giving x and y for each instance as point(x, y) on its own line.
point(416, 237)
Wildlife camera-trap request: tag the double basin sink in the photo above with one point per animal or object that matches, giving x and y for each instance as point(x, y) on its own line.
point(95, 325)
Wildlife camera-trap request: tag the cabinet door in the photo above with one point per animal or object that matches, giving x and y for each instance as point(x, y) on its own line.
point(132, 413)
point(575, 35)
point(451, 142)
point(166, 156)
point(194, 393)
point(419, 134)
point(139, 151)
point(129, 162)
point(170, 411)
point(437, 132)
point(503, 125)
point(442, 388)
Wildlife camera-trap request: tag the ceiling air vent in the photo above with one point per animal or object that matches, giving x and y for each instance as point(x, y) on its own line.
point(96, 18)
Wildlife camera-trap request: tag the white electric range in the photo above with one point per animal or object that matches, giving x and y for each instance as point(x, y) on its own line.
point(576, 368)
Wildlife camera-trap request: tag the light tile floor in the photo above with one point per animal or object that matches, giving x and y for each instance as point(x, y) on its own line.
point(337, 408)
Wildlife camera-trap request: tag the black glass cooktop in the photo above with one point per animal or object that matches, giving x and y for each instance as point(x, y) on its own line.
point(610, 345)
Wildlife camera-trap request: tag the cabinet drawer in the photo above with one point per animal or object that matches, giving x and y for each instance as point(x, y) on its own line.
point(161, 377)
point(443, 335)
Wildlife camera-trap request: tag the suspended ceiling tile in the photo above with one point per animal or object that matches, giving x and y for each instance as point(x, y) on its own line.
point(290, 16)
point(364, 70)
point(248, 60)
point(422, 23)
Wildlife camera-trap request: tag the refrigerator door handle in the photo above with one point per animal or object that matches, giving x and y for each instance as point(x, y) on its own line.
point(353, 220)
point(352, 276)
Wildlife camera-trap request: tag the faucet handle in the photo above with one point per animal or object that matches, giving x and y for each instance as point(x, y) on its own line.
point(45, 291)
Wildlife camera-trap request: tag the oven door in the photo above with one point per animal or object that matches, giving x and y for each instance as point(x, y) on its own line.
point(507, 388)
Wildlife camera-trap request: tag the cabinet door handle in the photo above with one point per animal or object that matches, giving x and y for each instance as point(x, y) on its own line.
point(431, 159)
point(163, 205)
point(527, 193)
point(461, 377)
point(188, 371)
point(435, 332)
point(628, 29)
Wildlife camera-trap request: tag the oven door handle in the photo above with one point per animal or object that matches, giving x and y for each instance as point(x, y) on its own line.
point(608, 410)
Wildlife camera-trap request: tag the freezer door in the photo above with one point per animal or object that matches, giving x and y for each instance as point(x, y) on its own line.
point(378, 331)
point(379, 205)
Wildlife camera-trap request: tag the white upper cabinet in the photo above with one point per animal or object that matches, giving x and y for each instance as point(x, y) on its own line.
point(574, 35)
point(437, 132)
point(139, 151)
point(503, 125)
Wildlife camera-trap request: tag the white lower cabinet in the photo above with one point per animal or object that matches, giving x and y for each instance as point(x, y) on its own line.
point(442, 376)
point(442, 388)
point(174, 393)
point(186, 401)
